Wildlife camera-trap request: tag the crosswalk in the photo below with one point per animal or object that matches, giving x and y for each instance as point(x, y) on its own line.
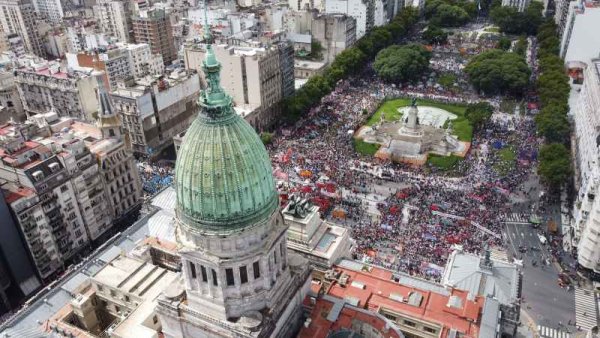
point(586, 309)
point(548, 332)
point(515, 218)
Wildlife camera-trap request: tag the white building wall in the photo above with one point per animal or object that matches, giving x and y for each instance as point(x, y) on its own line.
point(354, 8)
point(50, 9)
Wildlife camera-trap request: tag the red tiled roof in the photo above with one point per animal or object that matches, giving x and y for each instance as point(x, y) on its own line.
point(379, 285)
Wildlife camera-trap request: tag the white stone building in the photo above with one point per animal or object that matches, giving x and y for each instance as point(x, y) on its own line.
point(579, 43)
point(362, 10)
point(153, 111)
point(45, 86)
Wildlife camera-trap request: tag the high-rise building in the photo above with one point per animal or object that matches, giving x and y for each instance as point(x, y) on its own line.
point(45, 86)
point(142, 61)
point(153, 110)
point(17, 16)
point(52, 10)
point(577, 43)
point(584, 234)
point(114, 62)
point(18, 277)
point(153, 27)
point(257, 78)
point(238, 281)
point(361, 10)
point(114, 19)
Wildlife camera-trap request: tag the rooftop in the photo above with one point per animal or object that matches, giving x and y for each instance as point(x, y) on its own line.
point(377, 289)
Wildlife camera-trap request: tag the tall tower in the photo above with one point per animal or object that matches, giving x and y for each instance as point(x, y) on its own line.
point(236, 280)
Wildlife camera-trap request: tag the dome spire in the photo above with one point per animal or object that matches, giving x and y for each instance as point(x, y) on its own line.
point(214, 100)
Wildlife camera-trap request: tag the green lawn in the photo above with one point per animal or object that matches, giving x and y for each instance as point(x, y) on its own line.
point(443, 162)
point(507, 157)
point(365, 148)
point(462, 128)
point(492, 29)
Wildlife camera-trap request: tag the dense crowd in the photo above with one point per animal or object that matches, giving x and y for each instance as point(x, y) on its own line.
point(415, 227)
point(155, 177)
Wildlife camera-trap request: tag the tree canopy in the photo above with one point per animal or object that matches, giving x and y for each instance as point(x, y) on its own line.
point(498, 72)
point(402, 63)
point(511, 21)
point(447, 14)
point(435, 34)
point(555, 164)
point(478, 114)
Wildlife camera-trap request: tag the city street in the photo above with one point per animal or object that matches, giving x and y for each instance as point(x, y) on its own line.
point(544, 300)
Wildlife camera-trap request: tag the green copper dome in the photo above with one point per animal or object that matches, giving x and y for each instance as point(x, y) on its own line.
point(223, 173)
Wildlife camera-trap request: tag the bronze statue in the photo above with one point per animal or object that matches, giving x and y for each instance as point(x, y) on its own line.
point(414, 102)
point(297, 207)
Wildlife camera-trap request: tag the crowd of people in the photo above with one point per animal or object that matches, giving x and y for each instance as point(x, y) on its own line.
point(424, 215)
point(155, 177)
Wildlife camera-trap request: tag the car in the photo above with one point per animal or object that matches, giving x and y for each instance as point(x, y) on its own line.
point(522, 249)
point(535, 248)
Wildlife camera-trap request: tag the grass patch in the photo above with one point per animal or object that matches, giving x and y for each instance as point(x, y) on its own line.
point(443, 162)
point(447, 80)
point(365, 148)
point(508, 158)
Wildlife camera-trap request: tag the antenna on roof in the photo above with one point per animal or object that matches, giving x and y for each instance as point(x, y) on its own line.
point(207, 35)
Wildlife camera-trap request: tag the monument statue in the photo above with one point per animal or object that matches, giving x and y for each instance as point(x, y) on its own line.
point(414, 102)
point(298, 207)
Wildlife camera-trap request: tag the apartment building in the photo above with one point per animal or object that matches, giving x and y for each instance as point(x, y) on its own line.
point(44, 86)
point(361, 10)
point(114, 19)
point(18, 17)
point(258, 77)
point(153, 27)
point(18, 278)
point(142, 61)
point(113, 62)
point(335, 32)
point(584, 233)
point(10, 103)
point(52, 10)
point(153, 110)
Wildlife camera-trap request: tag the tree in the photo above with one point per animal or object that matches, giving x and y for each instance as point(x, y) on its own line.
point(504, 43)
point(316, 50)
point(479, 113)
point(511, 21)
point(521, 46)
point(401, 63)
point(497, 72)
point(266, 137)
point(434, 34)
point(555, 164)
point(553, 124)
point(553, 85)
point(449, 16)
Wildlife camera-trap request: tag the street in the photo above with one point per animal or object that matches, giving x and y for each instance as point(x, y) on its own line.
point(544, 300)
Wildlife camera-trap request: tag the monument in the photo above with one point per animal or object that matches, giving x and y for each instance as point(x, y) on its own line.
point(417, 134)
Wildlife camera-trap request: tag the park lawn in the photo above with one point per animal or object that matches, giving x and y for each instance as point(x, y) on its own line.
point(492, 29)
point(365, 148)
point(443, 162)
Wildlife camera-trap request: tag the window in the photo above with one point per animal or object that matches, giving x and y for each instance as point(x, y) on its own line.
point(243, 274)
point(256, 268)
point(155, 320)
point(229, 277)
point(275, 256)
point(203, 271)
point(127, 299)
point(429, 329)
point(193, 270)
point(117, 309)
point(214, 277)
point(409, 323)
